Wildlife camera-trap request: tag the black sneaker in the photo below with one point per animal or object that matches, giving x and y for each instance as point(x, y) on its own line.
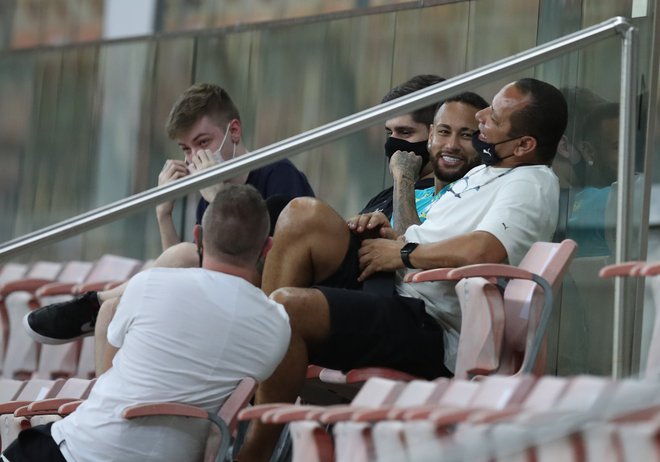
point(63, 322)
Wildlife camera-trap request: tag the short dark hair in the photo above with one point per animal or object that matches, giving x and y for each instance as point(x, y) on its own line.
point(201, 99)
point(544, 117)
point(424, 115)
point(581, 102)
point(466, 97)
point(591, 126)
point(236, 224)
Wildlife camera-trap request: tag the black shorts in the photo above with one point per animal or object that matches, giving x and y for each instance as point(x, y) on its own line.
point(349, 270)
point(34, 445)
point(386, 331)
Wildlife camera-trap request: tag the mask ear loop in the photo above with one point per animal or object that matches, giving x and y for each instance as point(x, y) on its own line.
point(198, 239)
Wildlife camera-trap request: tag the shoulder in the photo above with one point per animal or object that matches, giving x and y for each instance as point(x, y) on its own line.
point(282, 166)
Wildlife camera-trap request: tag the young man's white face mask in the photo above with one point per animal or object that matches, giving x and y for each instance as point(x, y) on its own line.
point(217, 154)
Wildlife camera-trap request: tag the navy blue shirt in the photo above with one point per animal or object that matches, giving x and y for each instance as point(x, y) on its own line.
point(279, 178)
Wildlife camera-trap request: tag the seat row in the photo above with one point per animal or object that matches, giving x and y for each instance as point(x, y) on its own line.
point(26, 287)
point(521, 418)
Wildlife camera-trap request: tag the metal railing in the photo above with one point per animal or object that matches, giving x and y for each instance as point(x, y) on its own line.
point(353, 123)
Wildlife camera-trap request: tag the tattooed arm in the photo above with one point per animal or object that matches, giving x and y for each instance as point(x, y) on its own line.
point(405, 167)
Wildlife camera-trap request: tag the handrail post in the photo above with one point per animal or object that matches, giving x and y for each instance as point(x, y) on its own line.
point(625, 191)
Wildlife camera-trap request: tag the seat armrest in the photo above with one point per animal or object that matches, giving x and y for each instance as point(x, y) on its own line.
point(651, 270)
point(97, 286)
point(437, 274)
point(630, 268)
point(372, 415)
point(365, 373)
point(291, 413)
point(10, 406)
point(490, 270)
point(45, 406)
point(23, 285)
point(152, 409)
point(55, 288)
point(255, 412)
point(68, 408)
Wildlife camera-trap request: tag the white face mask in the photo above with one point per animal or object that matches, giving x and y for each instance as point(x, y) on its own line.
point(216, 155)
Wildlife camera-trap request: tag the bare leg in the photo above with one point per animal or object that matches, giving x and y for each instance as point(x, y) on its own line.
point(309, 245)
point(309, 316)
point(104, 352)
point(183, 255)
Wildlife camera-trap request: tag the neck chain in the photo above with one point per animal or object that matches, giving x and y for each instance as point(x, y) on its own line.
point(466, 179)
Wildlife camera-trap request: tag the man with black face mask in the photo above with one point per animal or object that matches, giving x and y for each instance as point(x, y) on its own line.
point(408, 133)
point(491, 215)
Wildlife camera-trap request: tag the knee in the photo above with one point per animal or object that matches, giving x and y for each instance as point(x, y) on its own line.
point(106, 313)
point(305, 214)
point(289, 297)
point(183, 255)
point(307, 309)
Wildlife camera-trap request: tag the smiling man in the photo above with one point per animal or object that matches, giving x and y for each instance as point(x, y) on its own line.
point(493, 214)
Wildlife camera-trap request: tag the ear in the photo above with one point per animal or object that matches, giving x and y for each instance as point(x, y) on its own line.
point(235, 131)
point(267, 246)
point(588, 152)
point(197, 233)
point(430, 141)
point(526, 145)
point(563, 147)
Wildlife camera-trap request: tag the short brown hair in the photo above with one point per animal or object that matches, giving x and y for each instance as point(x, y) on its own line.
point(236, 224)
point(202, 99)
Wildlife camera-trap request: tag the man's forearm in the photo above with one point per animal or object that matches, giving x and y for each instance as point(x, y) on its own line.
point(405, 209)
point(168, 233)
point(467, 249)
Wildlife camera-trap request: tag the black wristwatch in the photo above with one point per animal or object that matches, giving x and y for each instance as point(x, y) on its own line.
point(406, 250)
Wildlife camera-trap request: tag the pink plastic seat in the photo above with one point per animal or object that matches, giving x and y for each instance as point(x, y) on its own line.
point(18, 296)
point(225, 420)
point(33, 390)
point(504, 333)
point(42, 411)
point(77, 357)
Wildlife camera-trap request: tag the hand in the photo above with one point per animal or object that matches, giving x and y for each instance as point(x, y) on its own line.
point(369, 224)
point(404, 164)
point(172, 170)
point(202, 160)
point(379, 255)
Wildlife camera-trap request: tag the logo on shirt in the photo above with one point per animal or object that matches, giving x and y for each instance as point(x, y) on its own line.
point(505, 226)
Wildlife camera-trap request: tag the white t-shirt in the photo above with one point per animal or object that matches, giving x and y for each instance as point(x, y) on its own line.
point(185, 335)
point(518, 206)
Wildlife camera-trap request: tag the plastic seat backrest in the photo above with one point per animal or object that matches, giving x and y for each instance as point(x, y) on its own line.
point(12, 272)
point(112, 268)
point(523, 302)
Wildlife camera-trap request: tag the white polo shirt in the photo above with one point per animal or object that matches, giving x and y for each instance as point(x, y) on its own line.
point(518, 206)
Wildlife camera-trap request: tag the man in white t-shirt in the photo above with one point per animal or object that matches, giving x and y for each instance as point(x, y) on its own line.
point(494, 214)
point(184, 335)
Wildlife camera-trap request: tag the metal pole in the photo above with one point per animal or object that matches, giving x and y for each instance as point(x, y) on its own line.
point(628, 112)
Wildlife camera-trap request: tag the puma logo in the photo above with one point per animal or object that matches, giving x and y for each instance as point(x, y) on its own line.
point(87, 327)
point(505, 226)
point(487, 151)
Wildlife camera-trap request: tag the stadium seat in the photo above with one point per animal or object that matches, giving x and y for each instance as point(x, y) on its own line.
point(21, 354)
point(33, 390)
point(77, 358)
point(42, 411)
point(225, 419)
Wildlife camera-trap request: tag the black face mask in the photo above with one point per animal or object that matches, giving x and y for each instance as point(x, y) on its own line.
point(393, 145)
point(487, 150)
